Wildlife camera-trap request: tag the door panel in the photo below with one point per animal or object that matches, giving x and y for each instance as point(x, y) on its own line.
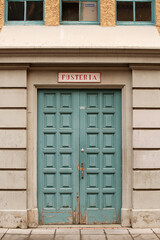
point(100, 137)
point(79, 156)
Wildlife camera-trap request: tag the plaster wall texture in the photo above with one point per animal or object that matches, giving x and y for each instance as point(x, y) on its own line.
point(145, 218)
point(146, 179)
point(18, 78)
point(146, 159)
point(157, 13)
point(18, 118)
point(12, 200)
point(146, 118)
point(51, 12)
point(107, 13)
point(13, 148)
point(145, 199)
point(12, 98)
point(80, 36)
point(107, 10)
point(1, 13)
point(146, 98)
point(12, 179)
point(146, 174)
point(146, 78)
point(12, 159)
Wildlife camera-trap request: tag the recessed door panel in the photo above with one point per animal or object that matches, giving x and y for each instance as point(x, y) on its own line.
point(79, 156)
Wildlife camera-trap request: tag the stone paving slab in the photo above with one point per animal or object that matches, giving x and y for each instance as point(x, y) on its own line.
point(116, 231)
point(15, 237)
point(92, 232)
point(41, 237)
point(119, 237)
point(1, 235)
point(67, 237)
point(156, 230)
point(3, 230)
point(140, 231)
point(43, 231)
point(93, 237)
point(19, 231)
point(67, 231)
point(77, 234)
point(145, 237)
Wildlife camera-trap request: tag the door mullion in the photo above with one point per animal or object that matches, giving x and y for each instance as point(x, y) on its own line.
point(75, 121)
point(58, 146)
point(100, 117)
point(83, 156)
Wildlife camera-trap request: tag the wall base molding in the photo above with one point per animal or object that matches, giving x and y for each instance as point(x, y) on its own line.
point(126, 217)
point(32, 217)
point(145, 218)
point(13, 218)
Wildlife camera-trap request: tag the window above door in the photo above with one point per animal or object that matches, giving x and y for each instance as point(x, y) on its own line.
point(25, 12)
point(135, 12)
point(79, 12)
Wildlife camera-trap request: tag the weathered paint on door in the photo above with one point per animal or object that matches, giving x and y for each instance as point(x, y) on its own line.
point(100, 136)
point(79, 156)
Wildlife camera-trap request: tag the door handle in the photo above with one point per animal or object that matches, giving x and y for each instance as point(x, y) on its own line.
point(82, 170)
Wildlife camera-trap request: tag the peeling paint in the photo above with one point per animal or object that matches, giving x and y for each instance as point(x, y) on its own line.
point(83, 218)
point(56, 217)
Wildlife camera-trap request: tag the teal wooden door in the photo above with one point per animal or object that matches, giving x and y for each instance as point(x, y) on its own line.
point(79, 156)
point(100, 144)
point(58, 182)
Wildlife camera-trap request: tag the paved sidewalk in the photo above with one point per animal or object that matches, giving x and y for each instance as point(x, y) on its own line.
point(81, 233)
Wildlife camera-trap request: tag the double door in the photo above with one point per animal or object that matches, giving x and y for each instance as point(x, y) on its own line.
point(79, 156)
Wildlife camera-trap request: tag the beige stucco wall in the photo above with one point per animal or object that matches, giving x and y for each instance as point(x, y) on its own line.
point(107, 9)
point(157, 12)
point(51, 12)
point(1, 13)
point(107, 13)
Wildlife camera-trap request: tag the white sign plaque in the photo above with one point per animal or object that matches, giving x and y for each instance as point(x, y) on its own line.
point(82, 77)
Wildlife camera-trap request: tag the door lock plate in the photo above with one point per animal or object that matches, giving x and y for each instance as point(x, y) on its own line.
point(81, 168)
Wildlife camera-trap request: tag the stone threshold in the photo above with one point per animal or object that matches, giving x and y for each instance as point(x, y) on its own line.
point(79, 226)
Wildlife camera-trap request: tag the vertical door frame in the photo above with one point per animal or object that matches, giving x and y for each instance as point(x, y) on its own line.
point(111, 79)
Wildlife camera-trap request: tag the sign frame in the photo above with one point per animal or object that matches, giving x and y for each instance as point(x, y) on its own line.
point(89, 75)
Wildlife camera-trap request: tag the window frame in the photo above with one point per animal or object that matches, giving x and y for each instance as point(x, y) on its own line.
point(143, 23)
point(7, 22)
point(80, 22)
